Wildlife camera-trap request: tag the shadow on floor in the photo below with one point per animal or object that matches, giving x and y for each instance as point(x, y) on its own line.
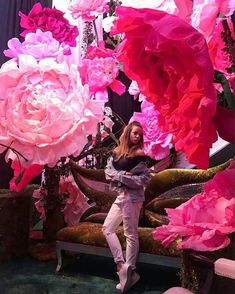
point(82, 274)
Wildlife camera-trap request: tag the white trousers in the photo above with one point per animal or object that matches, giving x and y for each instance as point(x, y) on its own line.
point(126, 211)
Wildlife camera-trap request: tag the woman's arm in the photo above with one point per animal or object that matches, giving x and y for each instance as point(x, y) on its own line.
point(110, 172)
point(135, 181)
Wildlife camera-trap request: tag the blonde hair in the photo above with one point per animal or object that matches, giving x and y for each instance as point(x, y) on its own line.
point(125, 146)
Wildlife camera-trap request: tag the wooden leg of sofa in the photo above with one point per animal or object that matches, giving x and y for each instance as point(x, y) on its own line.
point(59, 258)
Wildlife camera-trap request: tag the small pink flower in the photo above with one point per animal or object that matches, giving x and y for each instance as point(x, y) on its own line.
point(99, 73)
point(39, 45)
point(49, 19)
point(88, 9)
point(76, 203)
point(156, 143)
point(39, 204)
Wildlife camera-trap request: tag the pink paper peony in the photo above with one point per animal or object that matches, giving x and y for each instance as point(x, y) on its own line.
point(88, 9)
point(156, 143)
point(99, 73)
point(39, 45)
point(45, 111)
point(49, 19)
point(76, 203)
point(205, 220)
point(169, 60)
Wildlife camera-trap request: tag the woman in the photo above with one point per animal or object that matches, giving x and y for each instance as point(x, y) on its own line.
point(128, 174)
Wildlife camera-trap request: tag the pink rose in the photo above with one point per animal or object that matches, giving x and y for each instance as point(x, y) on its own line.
point(45, 111)
point(49, 19)
point(172, 67)
point(156, 143)
point(88, 9)
point(39, 45)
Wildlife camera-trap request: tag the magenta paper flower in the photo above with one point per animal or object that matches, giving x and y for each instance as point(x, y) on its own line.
point(49, 19)
point(156, 143)
point(172, 67)
point(88, 9)
point(39, 45)
point(45, 112)
point(99, 73)
point(204, 221)
point(219, 57)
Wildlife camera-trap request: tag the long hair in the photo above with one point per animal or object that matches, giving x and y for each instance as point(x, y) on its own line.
point(125, 146)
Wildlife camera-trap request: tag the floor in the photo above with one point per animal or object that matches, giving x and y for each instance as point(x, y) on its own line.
point(82, 274)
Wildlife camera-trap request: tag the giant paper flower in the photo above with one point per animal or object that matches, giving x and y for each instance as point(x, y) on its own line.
point(156, 143)
point(45, 111)
point(39, 45)
point(99, 73)
point(205, 220)
point(219, 57)
point(49, 19)
point(169, 60)
point(88, 9)
point(76, 203)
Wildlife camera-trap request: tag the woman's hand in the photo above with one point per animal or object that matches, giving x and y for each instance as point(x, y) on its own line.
point(128, 174)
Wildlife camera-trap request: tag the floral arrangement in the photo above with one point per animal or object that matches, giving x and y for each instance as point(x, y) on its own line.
point(50, 106)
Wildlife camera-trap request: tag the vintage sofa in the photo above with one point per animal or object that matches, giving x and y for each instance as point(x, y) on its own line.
point(167, 188)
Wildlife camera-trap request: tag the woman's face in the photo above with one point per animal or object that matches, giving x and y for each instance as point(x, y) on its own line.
point(135, 135)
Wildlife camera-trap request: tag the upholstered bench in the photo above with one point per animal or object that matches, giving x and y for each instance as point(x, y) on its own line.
point(88, 238)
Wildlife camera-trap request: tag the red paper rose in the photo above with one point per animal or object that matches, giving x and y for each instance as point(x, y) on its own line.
point(169, 59)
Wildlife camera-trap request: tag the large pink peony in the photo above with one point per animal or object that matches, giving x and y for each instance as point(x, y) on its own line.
point(45, 111)
point(49, 19)
point(169, 60)
point(88, 9)
point(40, 45)
point(205, 220)
point(156, 143)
